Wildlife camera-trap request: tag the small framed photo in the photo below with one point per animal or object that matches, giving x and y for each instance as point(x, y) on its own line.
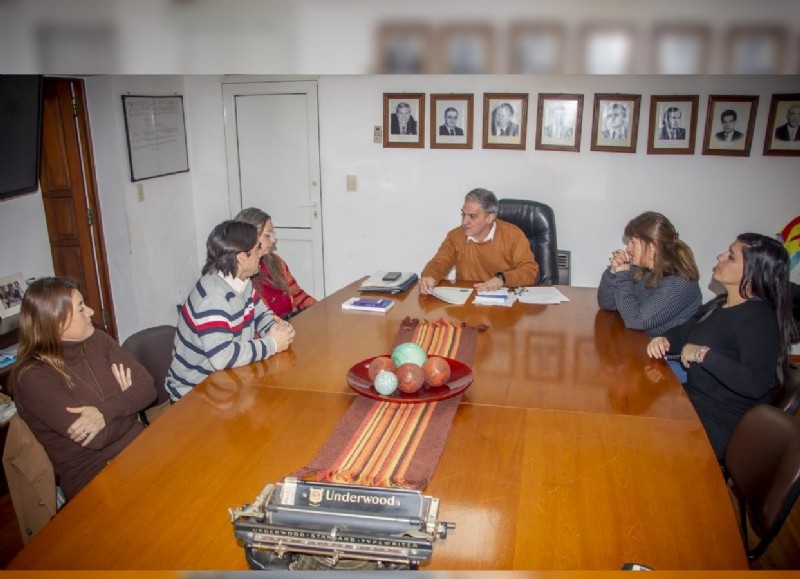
point(505, 120)
point(783, 126)
point(404, 120)
point(729, 125)
point(673, 125)
point(537, 48)
point(558, 123)
point(615, 125)
point(451, 121)
point(12, 288)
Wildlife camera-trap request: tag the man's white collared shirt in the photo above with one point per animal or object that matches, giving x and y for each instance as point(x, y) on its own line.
point(488, 238)
point(236, 284)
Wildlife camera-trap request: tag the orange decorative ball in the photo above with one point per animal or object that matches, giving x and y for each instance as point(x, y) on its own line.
point(378, 364)
point(409, 377)
point(436, 371)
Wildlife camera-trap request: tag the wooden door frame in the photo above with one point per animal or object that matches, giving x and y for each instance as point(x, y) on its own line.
point(90, 226)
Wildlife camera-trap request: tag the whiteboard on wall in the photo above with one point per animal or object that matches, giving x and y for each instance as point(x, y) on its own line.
point(156, 133)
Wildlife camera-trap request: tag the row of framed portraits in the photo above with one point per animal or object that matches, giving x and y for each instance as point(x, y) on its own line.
point(615, 123)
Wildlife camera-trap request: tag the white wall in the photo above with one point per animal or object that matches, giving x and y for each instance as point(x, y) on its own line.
point(409, 198)
point(149, 226)
point(205, 131)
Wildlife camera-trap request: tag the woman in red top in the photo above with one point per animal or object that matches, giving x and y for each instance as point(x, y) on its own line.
point(274, 283)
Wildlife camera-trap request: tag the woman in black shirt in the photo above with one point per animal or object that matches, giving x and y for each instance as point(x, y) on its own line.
point(736, 347)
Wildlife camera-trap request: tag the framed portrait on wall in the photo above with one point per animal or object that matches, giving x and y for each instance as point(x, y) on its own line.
point(615, 124)
point(729, 125)
point(558, 122)
point(783, 126)
point(451, 121)
point(404, 120)
point(505, 119)
point(673, 125)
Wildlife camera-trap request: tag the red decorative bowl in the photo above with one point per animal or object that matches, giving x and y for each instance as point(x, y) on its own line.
point(460, 379)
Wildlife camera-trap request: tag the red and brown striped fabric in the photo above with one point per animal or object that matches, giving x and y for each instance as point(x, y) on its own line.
point(390, 444)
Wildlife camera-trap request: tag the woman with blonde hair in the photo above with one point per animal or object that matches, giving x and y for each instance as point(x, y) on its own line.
point(73, 385)
point(653, 282)
point(274, 283)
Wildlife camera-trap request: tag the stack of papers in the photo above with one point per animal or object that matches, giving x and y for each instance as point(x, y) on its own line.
point(541, 295)
point(500, 297)
point(452, 295)
point(375, 283)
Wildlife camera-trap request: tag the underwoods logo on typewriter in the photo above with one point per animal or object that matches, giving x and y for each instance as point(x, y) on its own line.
point(315, 496)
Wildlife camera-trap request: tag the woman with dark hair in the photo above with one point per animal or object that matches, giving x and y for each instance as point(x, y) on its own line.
point(737, 345)
point(652, 283)
point(77, 390)
point(274, 283)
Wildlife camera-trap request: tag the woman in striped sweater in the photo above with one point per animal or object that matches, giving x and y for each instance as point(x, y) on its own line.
point(223, 323)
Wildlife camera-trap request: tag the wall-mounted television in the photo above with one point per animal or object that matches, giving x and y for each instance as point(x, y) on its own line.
point(20, 134)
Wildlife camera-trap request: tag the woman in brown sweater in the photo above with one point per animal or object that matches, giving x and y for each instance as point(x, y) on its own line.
point(77, 390)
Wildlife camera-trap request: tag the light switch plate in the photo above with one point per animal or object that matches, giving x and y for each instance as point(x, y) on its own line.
point(377, 134)
point(352, 183)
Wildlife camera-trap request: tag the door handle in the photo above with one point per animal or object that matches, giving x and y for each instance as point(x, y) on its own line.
point(313, 204)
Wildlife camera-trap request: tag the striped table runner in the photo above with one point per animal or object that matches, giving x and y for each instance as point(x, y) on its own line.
point(390, 444)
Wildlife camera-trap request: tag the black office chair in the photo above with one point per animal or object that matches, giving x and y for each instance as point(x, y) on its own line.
point(538, 222)
point(762, 466)
point(152, 348)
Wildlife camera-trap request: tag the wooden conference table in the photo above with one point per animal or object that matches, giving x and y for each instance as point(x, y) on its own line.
point(567, 452)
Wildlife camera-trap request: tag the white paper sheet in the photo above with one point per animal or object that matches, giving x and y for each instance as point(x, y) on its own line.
point(452, 295)
point(541, 295)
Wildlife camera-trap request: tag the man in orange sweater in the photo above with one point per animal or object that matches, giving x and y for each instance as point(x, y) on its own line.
point(486, 250)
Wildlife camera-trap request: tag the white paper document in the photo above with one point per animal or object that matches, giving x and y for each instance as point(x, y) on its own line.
point(452, 295)
point(499, 297)
point(541, 295)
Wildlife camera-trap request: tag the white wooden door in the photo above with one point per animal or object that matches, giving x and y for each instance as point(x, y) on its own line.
point(272, 138)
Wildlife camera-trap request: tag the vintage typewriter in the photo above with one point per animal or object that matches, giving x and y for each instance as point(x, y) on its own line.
point(300, 525)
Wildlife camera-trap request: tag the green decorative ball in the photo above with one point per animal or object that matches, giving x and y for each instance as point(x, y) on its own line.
point(385, 382)
point(409, 352)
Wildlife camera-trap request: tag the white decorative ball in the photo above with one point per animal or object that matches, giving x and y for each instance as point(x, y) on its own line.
point(385, 382)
